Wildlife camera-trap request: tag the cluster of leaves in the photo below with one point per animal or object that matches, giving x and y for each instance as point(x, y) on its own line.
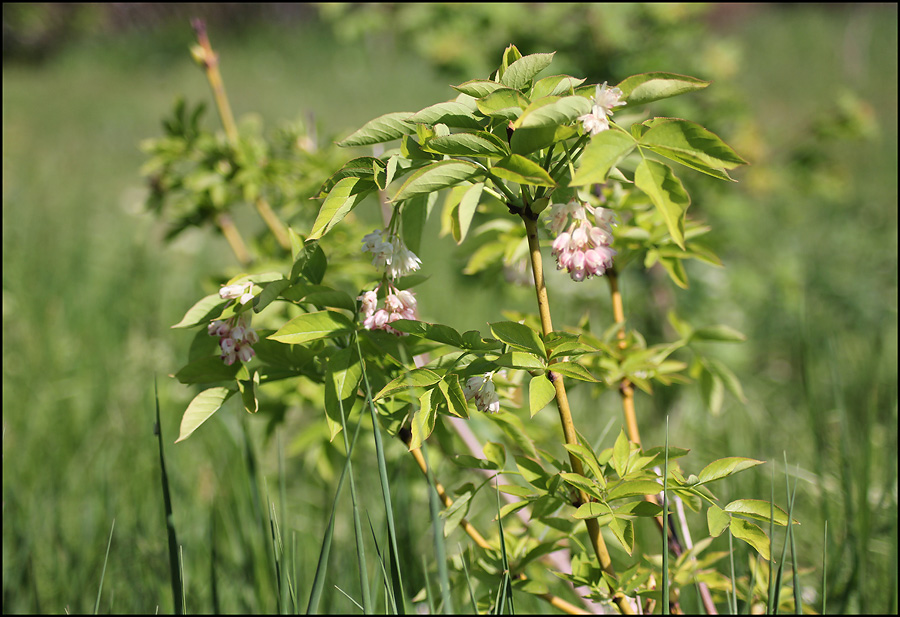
point(508, 145)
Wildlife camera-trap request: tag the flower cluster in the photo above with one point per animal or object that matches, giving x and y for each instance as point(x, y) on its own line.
point(389, 254)
point(481, 388)
point(604, 99)
point(235, 338)
point(235, 334)
point(398, 304)
point(583, 249)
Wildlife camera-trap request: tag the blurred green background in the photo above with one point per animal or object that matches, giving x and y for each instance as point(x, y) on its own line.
point(808, 94)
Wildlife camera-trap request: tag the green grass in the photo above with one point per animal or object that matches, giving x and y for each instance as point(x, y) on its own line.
point(90, 290)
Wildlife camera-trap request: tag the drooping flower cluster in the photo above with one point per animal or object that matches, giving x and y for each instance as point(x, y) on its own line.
point(389, 254)
point(235, 334)
point(584, 248)
point(235, 338)
point(398, 304)
point(604, 99)
point(481, 388)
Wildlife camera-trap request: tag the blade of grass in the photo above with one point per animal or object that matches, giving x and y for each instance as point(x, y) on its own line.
point(181, 571)
point(440, 553)
point(390, 602)
point(665, 527)
point(771, 599)
point(318, 585)
point(213, 560)
point(103, 571)
point(506, 582)
point(357, 524)
point(396, 579)
point(732, 597)
point(349, 597)
point(825, 570)
point(174, 569)
point(798, 602)
point(468, 582)
point(429, 597)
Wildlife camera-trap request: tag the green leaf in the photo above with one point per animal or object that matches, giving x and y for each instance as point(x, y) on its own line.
point(667, 194)
point(602, 153)
point(423, 420)
point(519, 336)
point(466, 210)
point(201, 409)
point(453, 393)
point(712, 390)
point(725, 467)
point(270, 293)
point(517, 168)
point(553, 111)
point(591, 509)
point(621, 452)
point(758, 509)
point(717, 520)
point(361, 167)
point(320, 295)
point(692, 145)
point(433, 332)
point(248, 388)
point(313, 326)
point(309, 262)
point(207, 370)
point(437, 176)
point(623, 529)
point(718, 333)
point(503, 103)
point(383, 128)
point(346, 195)
point(752, 535)
point(346, 372)
point(573, 370)
point(481, 143)
point(540, 393)
point(520, 360)
point(450, 113)
point(496, 453)
point(478, 88)
point(416, 378)
point(202, 311)
point(581, 483)
point(648, 87)
point(522, 71)
point(526, 141)
point(554, 85)
point(632, 488)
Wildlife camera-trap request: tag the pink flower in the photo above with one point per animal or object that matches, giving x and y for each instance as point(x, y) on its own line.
point(397, 305)
point(235, 338)
point(583, 250)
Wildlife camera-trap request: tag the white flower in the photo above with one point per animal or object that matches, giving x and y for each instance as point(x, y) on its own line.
point(244, 291)
point(603, 102)
point(481, 388)
point(389, 254)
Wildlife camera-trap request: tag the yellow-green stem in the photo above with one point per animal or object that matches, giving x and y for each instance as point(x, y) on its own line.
point(274, 223)
point(562, 404)
point(228, 229)
point(211, 64)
